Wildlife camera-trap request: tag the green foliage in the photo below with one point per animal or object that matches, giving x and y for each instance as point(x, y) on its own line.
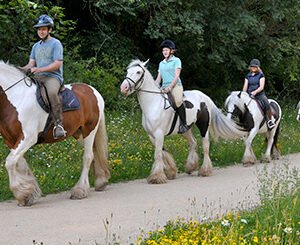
point(106, 79)
point(16, 29)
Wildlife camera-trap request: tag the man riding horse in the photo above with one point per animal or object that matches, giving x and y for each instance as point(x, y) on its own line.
point(46, 61)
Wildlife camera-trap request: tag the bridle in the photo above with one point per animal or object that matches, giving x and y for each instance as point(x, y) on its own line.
point(138, 84)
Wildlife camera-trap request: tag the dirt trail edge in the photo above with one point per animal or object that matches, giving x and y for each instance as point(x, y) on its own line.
point(125, 209)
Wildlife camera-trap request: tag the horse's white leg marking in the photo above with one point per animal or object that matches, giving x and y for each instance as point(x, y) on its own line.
point(168, 161)
point(21, 180)
point(206, 168)
point(249, 157)
point(193, 158)
point(81, 189)
point(157, 175)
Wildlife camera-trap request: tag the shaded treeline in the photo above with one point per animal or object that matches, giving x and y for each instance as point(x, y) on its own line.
point(215, 39)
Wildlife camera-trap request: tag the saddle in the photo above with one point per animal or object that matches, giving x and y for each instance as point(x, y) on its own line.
point(68, 99)
point(69, 102)
point(261, 106)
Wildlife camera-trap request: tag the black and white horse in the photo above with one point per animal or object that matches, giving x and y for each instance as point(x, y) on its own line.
point(159, 120)
point(247, 113)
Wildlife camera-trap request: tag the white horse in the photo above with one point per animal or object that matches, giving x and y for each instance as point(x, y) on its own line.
point(22, 125)
point(247, 113)
point(159, 120)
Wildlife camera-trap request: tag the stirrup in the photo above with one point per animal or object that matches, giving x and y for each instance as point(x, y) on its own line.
point(182, 129)
point(270, 124)
point(58, 132)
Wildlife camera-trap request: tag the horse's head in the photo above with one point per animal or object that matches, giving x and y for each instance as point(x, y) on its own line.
point(135, 77)
point(235, 103)
point(237, 109)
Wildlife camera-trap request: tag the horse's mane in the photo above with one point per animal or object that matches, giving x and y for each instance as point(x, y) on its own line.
point(236, 97)
point(135, 63)
point(7, 68)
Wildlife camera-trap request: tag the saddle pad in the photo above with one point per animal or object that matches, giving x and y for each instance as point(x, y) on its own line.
point(68, 98)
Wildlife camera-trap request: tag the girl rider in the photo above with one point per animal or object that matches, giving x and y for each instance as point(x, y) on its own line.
point(254, 85)
point(169, 72)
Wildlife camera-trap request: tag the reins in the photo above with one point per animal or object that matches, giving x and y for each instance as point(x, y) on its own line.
point(17, 82)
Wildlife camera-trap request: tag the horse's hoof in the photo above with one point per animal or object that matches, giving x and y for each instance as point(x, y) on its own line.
point(26, 202)
point(155, 179)
point(248, 164)
point(78, 193)
point(265, 160)
point(191, 168)
point(101, 186)
point(205, 172)
point(171, 175)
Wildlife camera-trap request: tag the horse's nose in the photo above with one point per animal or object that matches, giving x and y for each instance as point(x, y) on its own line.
point(124, 87)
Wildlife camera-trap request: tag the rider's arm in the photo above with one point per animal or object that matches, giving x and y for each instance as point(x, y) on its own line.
point(245, 87)
point(177, 75)
point(158, 79)
point(31, 63)
point(52, 67)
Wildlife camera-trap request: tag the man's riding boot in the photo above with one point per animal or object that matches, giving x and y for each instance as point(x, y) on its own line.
point(271, 121)
point(58, 130)
point(182, 115)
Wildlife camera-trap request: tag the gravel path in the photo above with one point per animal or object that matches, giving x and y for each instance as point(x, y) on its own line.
point(127, 209)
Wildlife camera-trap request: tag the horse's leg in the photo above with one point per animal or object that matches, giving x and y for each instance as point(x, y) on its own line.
point(193, 158)
point(81, 189)
point(157, 175)
point(272, 150)
point(169, 165)
point(206, 168)
point(102, 173)
point(21, 180)
point(249, 157)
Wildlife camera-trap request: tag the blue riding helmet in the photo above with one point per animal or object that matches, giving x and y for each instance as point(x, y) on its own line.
point(167, 44)
point(44, 20)
point(255, 63)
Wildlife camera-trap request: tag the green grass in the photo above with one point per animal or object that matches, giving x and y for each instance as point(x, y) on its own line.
point(57, 167)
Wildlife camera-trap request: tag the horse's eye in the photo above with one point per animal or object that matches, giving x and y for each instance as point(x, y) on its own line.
point(139, 72)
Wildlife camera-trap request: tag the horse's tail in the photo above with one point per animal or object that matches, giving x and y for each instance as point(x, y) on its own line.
point(100, 149)
point(222, 126)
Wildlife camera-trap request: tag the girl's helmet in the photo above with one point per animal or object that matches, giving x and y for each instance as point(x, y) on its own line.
point(44, 20)
point(168, 44)
point(255, 63)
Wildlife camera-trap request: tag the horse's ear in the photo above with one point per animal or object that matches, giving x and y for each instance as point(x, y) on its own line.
point(239, 95)
point(228, 92)
point(146, 62)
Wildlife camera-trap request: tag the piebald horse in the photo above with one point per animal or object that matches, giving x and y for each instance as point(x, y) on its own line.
point(22, 119)
point(246, 112)
point(159, 119)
